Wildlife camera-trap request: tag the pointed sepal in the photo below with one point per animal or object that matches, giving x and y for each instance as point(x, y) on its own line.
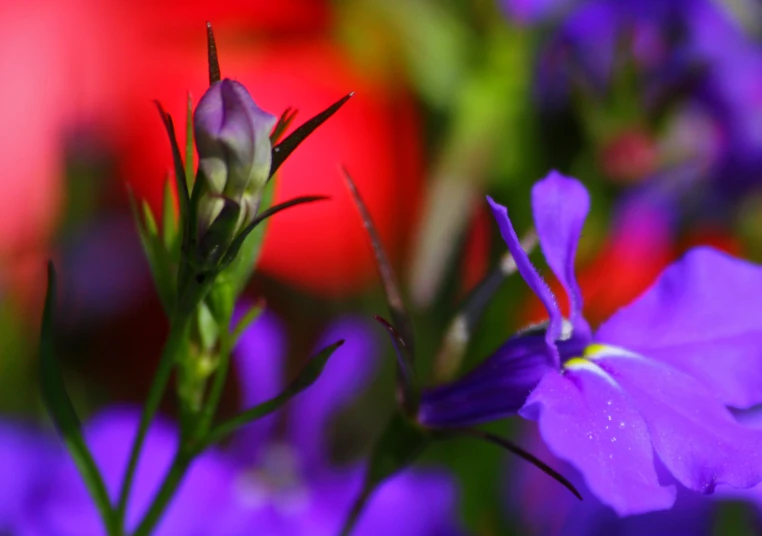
point(282, 151)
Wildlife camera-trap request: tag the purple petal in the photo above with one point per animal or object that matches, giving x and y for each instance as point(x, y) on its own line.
point(590, 422)
point(496, 388)
point(259, 361)
point(703, 316)
point(544, 507)
point(532, 278)
point(25, 461)
point(424, 503)
point(348, 371)
point(694, 434)
point(69, 510)
point(560, 205)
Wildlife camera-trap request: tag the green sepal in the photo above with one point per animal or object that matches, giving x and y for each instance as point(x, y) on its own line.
point(284, 121)
point(179, 168)
point(207, 327)
point(62, 410)
point(189, 175)
point(217, 239)
point(155, 253)
point(211, 50)
point(243, 264)
point(169, 222)
point(221, 300)
point(307, 376)
point(235, 247)
point(400, 318)
point(284, 149)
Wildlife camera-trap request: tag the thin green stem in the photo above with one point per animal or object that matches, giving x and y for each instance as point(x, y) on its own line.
point(357, 509)
point(177, 337)
point(165, 493)
point(215, 391)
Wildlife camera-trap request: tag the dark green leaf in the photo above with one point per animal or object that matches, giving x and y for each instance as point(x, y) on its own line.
point(235, 247)
point(308, 375)
point(287, 146)
point(62, 411)
point(211, 49)
point(400, 319)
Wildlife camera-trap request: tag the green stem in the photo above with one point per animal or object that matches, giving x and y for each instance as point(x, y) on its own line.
point(357, 509)
point(215, 391)
point(167, 490)
point(177, 337)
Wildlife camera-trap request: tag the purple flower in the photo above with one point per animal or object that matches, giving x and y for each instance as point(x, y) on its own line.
point(233, 142)
point(649, 388)
point(64, 506)
point(263, 482)
point(25, 462)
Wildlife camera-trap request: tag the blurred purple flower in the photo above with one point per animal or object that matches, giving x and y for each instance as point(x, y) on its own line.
point(288, 484)
point(648, 381)
point(64, 507)
point(692, 57)
point(527, 12)
point(264, 482)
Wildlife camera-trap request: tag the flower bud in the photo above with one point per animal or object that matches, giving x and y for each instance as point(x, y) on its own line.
point(233, 142)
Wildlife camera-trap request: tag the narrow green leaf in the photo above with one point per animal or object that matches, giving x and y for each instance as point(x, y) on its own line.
point(400, 319)
point(189, 143)
point(169, 219)
point(407, 382)
point(62, 410)
point(211, 49)
point(308, 375)
point(235, 246)
point(182, 186)
point(513, 448)
point(247, 319)
point(287, 146)
point(284, 121)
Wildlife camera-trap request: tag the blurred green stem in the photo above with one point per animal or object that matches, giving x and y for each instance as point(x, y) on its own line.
point(178, 336)
point(172, 480)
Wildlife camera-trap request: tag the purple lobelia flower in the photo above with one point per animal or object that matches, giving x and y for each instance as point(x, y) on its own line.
point(648, 389)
